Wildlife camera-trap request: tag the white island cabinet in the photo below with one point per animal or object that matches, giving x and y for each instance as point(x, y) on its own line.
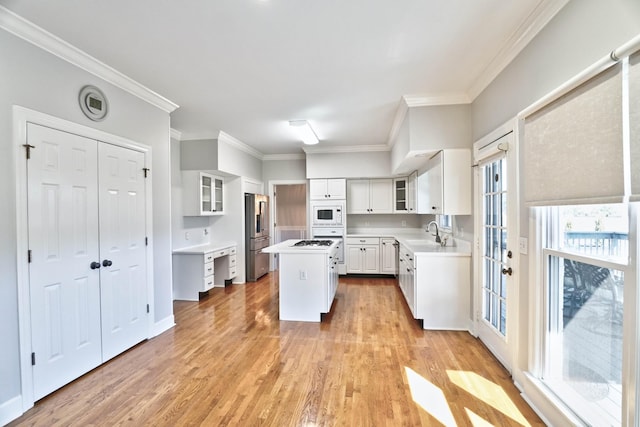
point(308, 279)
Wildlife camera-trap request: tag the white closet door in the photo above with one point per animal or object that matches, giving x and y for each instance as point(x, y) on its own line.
point(63, 240)
point(122, 248)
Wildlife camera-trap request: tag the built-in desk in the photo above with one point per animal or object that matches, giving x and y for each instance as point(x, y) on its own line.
point(199, 268)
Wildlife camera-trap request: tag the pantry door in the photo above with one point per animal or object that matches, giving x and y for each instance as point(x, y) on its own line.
point(122, 248)
point(64, 278)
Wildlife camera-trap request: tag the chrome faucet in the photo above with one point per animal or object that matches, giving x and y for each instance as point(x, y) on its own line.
point(437, 234)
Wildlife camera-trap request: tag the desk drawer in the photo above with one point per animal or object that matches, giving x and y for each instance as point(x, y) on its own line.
point(208, 257)
point(208, 269)
point(208, 283)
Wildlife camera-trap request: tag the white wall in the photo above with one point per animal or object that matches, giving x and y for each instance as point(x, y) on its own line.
point(284, 170)
point(370, 164)
point(35, 79)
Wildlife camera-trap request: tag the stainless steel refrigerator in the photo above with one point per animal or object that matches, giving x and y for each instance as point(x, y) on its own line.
point(256, 211)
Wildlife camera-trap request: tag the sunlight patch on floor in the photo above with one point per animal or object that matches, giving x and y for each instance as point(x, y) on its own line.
point(429, 397)
point(488, 392)
point(477, 420)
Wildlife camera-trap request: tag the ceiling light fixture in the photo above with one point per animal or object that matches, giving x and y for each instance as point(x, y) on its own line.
point(305, 132)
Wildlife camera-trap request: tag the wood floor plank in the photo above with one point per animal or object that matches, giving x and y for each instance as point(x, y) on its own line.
point(230, 362)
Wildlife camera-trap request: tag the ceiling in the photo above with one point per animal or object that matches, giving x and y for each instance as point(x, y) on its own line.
point(247, 67)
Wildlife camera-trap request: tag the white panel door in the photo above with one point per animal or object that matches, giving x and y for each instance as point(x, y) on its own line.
point(63, 240)
point(122, 249)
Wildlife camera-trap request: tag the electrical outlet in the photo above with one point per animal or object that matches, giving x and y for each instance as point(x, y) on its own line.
point(186, 235)
point(524, 243)
point(303, 275)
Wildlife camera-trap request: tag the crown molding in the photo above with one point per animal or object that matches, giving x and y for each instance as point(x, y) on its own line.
point(426, 100)
point(346, 149)
point(292, 156)
point(176, 134)
point(401, 113)
point(531, 26)
point(225, 137)
point(26, 30)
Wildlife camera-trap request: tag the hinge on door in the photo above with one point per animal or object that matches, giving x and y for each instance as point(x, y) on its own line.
point(28, 147)
point(29, 256)
point(147, 308)
point(146, 241)
point(33, 359)
point(146, 171)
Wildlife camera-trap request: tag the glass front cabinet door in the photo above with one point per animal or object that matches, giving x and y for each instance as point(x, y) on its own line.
point(202, 194)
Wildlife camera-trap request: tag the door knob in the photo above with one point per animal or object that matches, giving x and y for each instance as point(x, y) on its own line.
point(94, 265)
point(508, 271)
point(107, 263)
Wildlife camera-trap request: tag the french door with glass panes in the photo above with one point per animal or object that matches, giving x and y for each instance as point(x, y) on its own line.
point(495, 260)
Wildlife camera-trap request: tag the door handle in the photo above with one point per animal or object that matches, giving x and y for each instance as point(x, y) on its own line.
point(107, 263)
point(508, 271)
point(94, 265)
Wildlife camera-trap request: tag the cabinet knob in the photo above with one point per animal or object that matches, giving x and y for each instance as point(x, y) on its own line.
point(508, 271)
point(107, 263)
point(94, 265)
point(433, 207)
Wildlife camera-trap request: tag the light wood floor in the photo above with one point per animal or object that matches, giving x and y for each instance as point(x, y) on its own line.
point(229, 361)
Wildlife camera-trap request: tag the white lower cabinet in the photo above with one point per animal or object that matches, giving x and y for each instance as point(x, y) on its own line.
point(441, 296)
point(388, 256)
point(363, 255)
point(199, 269)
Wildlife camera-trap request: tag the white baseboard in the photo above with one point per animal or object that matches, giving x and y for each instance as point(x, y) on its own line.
point(163, 325)
point(10, 410)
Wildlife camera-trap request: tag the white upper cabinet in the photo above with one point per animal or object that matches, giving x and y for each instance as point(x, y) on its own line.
point(202, 194)
point(367, 196)
point(444, 188)
point(325, 189)
point(404, 194)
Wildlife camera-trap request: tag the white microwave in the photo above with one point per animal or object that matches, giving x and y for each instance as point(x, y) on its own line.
point(330, 214)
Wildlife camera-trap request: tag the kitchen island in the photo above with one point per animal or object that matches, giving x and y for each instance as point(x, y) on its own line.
point(308, 277)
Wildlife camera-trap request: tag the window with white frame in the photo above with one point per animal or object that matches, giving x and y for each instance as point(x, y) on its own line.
point(585, 259)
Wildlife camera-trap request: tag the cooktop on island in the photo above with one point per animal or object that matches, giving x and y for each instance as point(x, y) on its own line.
point(313, 243)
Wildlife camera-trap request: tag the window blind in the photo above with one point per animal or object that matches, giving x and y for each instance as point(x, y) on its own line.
point(573, 147)
point(634, 124)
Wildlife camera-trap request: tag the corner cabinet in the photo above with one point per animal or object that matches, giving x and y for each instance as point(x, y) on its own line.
point(444, 188)
point(202, 194)
point(324, 189)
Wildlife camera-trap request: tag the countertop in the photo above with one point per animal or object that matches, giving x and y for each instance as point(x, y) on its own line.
point(287, 247)
point(419, 242)
point(204, 249)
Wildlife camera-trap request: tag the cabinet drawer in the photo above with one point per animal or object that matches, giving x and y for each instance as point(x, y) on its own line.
point(232, 261)
point(208, 257)
point(232, 251)
point(208, 283)
point(221, 252)
point(232, 272)
point(208, 269)
point(363, 240)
